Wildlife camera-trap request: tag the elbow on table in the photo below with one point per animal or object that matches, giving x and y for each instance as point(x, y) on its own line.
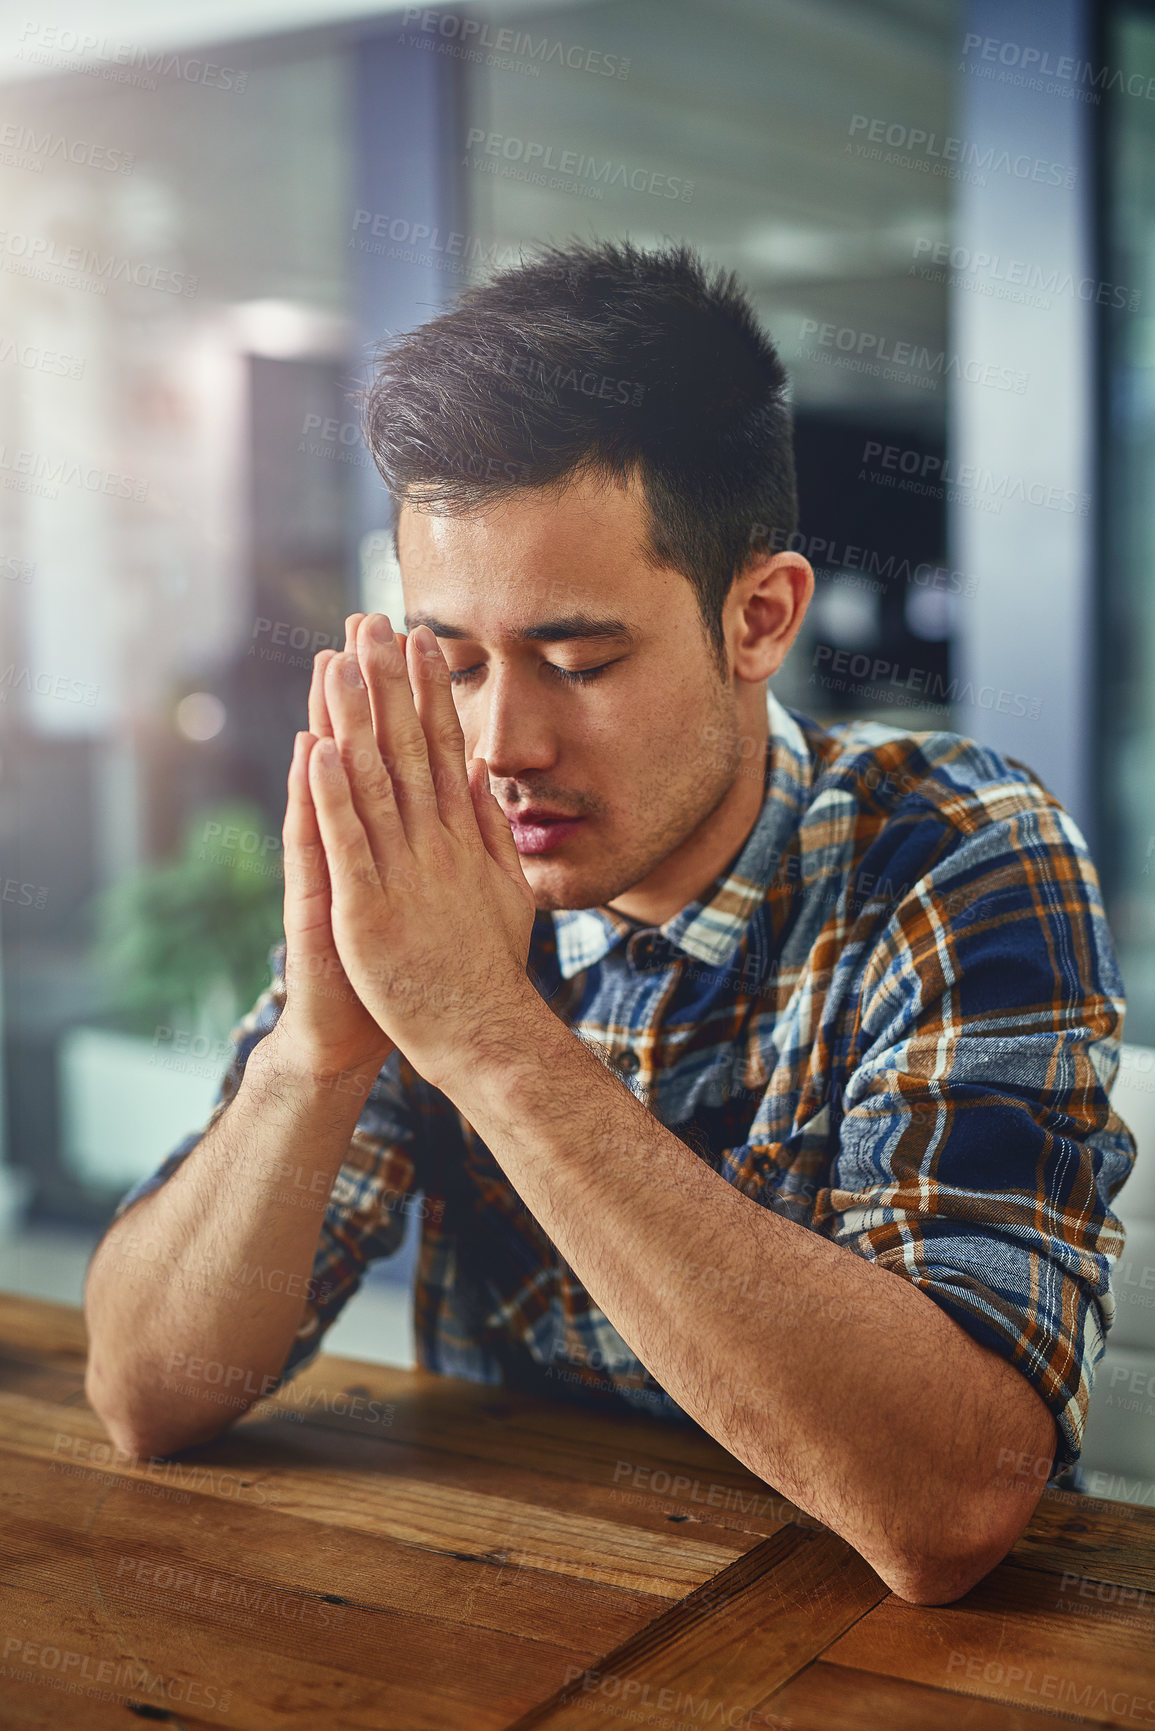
point(938, 1575)
point(143, 1435)
point(135, 1441)
point(933, 1582)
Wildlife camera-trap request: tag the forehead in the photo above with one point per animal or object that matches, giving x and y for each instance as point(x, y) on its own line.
point(538, 554)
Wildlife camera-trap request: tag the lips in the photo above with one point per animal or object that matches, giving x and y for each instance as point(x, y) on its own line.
point(536, 830)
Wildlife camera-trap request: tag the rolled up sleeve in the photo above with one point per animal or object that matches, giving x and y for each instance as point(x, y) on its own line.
point(978, 1151)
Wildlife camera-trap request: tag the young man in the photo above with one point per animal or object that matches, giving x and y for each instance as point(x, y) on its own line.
point(749, 1070)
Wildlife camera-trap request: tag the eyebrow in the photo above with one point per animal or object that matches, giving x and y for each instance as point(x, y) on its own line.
point(561, 630)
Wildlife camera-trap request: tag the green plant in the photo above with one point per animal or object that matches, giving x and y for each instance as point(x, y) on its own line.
point(176, 940)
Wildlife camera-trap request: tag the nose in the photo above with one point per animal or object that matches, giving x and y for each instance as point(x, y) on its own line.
point(515, 731)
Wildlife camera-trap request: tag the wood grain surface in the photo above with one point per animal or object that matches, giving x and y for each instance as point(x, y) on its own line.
point(385, 1550)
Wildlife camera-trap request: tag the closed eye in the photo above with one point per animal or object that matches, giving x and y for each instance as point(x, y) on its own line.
point(570, 675)
point(579, 676)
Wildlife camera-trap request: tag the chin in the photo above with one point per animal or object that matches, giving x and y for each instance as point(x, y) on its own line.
point(554, 887)
point(551, 891)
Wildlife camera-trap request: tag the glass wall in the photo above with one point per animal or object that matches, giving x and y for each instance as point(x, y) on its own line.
point(194, 272)
point(1126, 732)
point(175, 534)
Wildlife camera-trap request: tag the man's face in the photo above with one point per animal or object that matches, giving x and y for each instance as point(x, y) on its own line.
point(643, 748)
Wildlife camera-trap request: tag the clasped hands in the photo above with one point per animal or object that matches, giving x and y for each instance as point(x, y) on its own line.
point(407, 913)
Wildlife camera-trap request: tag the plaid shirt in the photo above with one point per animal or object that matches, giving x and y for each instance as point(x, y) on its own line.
point(894, 1018)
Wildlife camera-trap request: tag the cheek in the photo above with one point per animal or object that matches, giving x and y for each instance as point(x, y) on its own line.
point(635, 756)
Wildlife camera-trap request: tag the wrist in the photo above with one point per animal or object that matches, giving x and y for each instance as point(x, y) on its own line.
point(494, 1047)
point(288, 1064)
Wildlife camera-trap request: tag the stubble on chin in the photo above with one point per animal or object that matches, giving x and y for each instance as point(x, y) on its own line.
point(680, 794)
point(555, 894)
point(598, 885)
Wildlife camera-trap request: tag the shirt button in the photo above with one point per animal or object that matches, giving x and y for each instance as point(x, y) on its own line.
point(642, 949)
point(628, 1061)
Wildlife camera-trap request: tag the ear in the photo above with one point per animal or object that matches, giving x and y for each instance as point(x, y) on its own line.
point(767, 605)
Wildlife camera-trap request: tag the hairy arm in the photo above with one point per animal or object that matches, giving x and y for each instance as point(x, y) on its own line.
point(836, 1381)
point(182, 1337)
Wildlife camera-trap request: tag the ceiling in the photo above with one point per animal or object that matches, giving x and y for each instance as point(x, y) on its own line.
point(751, 101)
point(27, 51)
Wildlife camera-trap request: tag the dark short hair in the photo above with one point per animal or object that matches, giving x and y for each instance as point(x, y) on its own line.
point(599, 359)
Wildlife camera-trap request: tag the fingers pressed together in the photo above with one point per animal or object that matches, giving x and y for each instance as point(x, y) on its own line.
point(387, 743)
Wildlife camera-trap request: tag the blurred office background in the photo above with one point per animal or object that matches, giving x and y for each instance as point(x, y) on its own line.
point(945, 211)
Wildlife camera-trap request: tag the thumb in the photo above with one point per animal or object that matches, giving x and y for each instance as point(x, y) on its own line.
point(492, 821)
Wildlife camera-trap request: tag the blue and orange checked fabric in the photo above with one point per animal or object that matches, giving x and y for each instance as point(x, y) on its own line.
point(895, 1019)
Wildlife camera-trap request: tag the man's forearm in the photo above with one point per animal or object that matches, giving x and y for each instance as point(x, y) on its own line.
point(215, 1266)
point(837, 1382)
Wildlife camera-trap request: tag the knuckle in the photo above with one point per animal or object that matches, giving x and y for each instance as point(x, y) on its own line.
point(364, 759)
point(441, 855)
point(379, 793)
point(410, 766)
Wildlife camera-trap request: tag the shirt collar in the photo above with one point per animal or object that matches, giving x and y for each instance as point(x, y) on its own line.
point(711, 928)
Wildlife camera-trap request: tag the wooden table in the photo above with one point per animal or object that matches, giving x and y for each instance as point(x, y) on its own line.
point(384, 1550)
